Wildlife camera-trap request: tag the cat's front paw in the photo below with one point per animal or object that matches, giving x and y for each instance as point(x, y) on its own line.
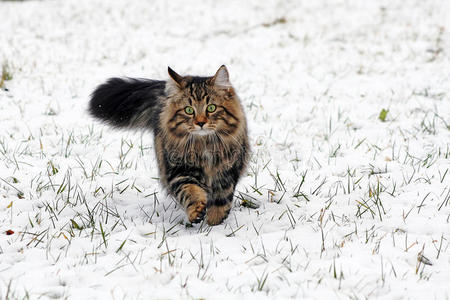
point(196, 211)
point(195, 203)
point(216, 214)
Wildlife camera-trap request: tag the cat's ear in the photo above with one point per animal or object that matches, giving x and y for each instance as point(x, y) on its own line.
point(221, 79)
point(178, 79)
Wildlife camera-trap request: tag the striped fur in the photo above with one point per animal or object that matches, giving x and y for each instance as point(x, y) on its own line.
point(202, 155)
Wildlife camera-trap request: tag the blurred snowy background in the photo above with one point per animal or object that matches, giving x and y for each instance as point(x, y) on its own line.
point(347, 195)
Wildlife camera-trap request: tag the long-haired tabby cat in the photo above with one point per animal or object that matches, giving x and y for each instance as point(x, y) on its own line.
point(200, 134)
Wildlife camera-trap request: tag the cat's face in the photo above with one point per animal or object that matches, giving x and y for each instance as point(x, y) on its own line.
point(203, 106)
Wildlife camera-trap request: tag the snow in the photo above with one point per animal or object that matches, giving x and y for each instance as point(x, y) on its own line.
point(91, 221)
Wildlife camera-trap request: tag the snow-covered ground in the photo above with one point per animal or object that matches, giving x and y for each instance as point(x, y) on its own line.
point(353, 203)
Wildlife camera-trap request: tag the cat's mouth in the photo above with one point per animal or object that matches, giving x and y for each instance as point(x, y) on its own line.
point(202, 131)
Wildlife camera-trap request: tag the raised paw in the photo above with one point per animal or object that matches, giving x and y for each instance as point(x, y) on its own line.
point(194, 199)
point(216, 214)
point(196, 211)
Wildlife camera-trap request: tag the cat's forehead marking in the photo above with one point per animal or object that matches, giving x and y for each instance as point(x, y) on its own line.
point(197, 90)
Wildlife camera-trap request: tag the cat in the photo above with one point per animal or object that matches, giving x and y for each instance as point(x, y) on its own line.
point(200, 134)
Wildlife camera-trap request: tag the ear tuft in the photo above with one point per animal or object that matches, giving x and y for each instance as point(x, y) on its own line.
point(222, 79)
point(178, 79)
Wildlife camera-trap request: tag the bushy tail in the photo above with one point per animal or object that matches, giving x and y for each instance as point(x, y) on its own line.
point(127, 102)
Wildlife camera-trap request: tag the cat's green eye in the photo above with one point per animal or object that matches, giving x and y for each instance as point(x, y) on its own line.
point(189, 110)
point(211, 108)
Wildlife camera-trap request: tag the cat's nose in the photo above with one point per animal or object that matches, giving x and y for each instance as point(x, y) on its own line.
point(200, 124)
